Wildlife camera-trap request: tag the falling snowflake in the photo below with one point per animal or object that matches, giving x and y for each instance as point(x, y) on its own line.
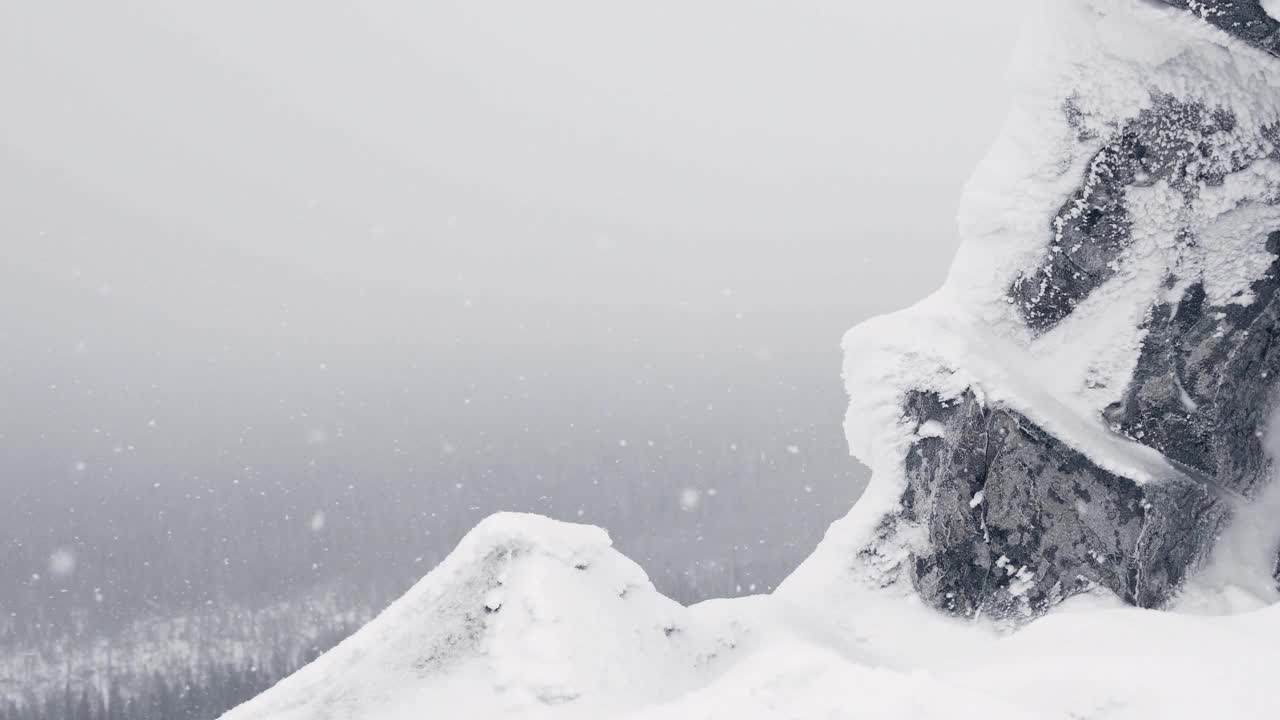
point(62, 562)
point(689, 499)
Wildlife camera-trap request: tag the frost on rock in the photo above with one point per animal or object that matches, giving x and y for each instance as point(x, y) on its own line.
point(1250, 20)
point(1100, 365)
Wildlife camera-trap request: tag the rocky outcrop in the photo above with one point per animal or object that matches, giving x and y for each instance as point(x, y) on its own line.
point(1202, 391)
point(1017, 520)
point(1169, 241)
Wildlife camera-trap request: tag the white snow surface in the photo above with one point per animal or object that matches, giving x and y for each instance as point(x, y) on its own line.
point(1272, 7)
point(531, 618)
point(526, 614)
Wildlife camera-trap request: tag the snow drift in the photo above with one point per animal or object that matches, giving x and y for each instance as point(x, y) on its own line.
point(520, 615)
point(1071, 431)
point(531, 618)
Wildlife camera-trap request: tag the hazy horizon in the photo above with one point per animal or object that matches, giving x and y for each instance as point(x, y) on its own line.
point(409, 247)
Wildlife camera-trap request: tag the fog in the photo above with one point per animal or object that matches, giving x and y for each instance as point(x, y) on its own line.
point(397, 265)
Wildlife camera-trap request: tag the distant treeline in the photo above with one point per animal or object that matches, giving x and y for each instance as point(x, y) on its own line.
point(125, 595)
point(199, 665)
point(114, 549)
point(188, 666)
point(180, 695)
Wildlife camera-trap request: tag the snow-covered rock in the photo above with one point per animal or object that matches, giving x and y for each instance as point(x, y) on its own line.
point(1100, 364)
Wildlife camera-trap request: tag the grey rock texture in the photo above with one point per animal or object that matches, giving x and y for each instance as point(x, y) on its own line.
point(1013, 519)
point(1203, 386)
point(1172, 141)
point(1017, 521)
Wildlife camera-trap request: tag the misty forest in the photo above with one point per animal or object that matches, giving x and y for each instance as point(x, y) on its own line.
point(130, 596)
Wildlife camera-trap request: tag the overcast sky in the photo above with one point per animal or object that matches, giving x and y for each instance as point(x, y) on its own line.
point(205, 205)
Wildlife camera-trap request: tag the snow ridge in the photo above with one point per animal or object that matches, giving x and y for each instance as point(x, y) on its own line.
point(516, 618)
point(535, 619)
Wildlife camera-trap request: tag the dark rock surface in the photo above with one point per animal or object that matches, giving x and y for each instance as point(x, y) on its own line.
point(1203, 385)
point(1016, 520)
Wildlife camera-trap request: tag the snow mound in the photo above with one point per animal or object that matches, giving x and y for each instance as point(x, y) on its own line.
point(527, 614)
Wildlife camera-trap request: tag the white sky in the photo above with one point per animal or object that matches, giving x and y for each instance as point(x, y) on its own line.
point(239, 195)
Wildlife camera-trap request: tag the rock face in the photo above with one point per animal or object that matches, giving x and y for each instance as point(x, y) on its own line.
point(1137, 328)
point(1202, 390)
point(1183, 145)
point(1018, 520)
